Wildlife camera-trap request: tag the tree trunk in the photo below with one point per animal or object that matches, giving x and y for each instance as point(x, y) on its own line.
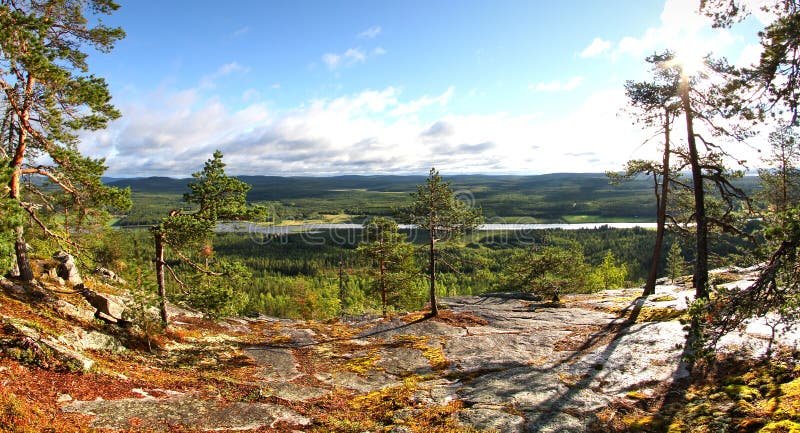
point(432, 272)
point(21, 250)
point(162, 290)
point(784, 181)
point(341, 284)
point(700, 278)
point(20, 247)
point(383, 285)
point(661, 213)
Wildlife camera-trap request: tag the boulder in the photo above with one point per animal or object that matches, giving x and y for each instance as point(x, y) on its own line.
point(11, 287)
point(109, 308)
point(82, 339)
point(67, 268)
point(108, 275)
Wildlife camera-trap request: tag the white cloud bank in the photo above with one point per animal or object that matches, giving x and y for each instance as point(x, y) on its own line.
point(682, 29)
point(171, 132)
point(373, 131)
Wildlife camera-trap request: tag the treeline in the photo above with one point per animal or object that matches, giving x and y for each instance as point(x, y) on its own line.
point(323, 275)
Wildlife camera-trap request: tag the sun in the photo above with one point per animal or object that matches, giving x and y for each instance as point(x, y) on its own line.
point(689, 56)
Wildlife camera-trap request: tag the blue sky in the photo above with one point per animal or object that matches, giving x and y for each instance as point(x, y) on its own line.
point(333, 87)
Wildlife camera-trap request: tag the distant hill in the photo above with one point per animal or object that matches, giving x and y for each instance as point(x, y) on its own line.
point(280, 187)
point(556, 197)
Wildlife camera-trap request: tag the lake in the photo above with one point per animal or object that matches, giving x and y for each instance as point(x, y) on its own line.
point(246, 227)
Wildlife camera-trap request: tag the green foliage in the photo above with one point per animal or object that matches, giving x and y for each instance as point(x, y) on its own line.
point(437, 209)
point(284, 269)
point(219, 295)
point(217, 196)
point(141, 309)
point(48, 97)
point(547, 271)
point(391, 257)
point(553, 198)
point(184, 230)
point(775, 76)
point(10, 217)
point(609, 274)
point(781, 181)
point(676, 265)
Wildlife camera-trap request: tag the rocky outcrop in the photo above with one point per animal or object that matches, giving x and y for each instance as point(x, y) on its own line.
point(187, 411)
point(30, 346)
point(495, 363)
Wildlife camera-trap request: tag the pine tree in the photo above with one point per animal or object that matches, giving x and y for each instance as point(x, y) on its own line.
point(392, 260)
point(610, 274)
point(48, 96)
point(781, 181)
point(547, 271)
point(10, 217)
point(217, 196)
point(656, 105)
point(675, 263)
point(776, 75)
point(436, 210)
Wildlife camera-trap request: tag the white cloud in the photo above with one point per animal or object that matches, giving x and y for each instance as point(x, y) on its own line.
point(355, 55)
point(416, 105)
point(597, 47)
point(378, 51)
point(209, 81)
point(370, 33)
point(682, 29)
point(757, 8)
point(373, 131)
point(350, 57)
point(331, 60)
point(251, 95)
point(751, 55)
point(557, 85)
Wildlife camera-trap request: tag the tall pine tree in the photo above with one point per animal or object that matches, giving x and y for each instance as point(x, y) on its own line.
point(436, 210)
point(48, 97)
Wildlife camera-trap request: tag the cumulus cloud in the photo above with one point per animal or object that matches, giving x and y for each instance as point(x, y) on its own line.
point(438, 130)
point(171, 133)
point(557, 85)
point(682, 29)
point(370, 33)
point(595, 48)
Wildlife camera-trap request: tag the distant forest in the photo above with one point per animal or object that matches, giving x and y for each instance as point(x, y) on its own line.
point(549, 198)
